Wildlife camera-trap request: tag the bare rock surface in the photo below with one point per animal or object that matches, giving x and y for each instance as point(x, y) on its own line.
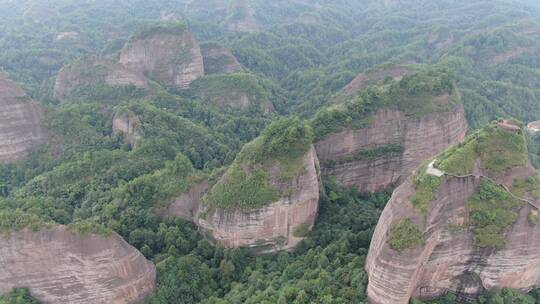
point(419, 138)
point(241, 16)
point(62, 266)
point(219, 60)
point(92, 71)
point(128, 124)
point(448, 260)
point(186, 205)
point(172, 60)
point(21, 122)
point(275, 226)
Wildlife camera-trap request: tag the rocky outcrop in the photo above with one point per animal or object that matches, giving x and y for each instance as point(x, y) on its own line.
point(93, 71)
point(21, 122)
point(279, 225)
point(449, 260)
point(62, 266)
point(219, 60)
point(186, 205)
point(393, 145)
point(128, 124)
point(170, 56)
point(376, 75)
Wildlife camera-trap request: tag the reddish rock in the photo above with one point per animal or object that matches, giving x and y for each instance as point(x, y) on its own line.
point(275, 226)
point(219, 60)
point(241, 16)
point(172, 59)
point(62, 266)
point(420, 139)
point(374, 76)
point(21, 122)
point(128, 124)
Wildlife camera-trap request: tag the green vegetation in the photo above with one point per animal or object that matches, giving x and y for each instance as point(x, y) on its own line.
point(89, 227)
point(247, 184)
point(390, 150)
point(491, 211)
point(18, 296)
point(15, 220)
point(414, 95)
point(529, 187)
point(302, 230)
point(425, 189)
point(240, 191)
point(150, 30)
point(497, 150)
point(404, 235)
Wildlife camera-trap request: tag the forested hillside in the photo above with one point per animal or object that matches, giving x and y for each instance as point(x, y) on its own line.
point(117, 151)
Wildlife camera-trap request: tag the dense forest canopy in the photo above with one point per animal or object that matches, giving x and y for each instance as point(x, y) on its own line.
point(297, 54)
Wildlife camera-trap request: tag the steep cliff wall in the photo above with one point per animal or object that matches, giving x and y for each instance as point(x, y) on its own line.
point(61, 266)
point(389, 148)
point(279, 225)
point(219, 60)
point(169, 55)
point(457, 254)
point(378, 74)
point(21, 122)
point(93, 71)
point(128, 124)
point(241, 16)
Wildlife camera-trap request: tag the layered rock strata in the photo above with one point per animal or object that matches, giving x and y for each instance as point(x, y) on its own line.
point(405, 141)
point(62, 266)
point(449, 259)
point(275, 226)
point(21, 122)
point(173, 60)
point(219, 60)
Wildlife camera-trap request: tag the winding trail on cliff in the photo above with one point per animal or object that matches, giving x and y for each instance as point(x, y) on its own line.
point(431, 170)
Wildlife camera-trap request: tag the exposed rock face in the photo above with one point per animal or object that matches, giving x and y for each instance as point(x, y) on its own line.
point(449, 260)
point(274, 226)
point(92, 71)
point(419, 139)
point(127, 123)
point(238, 100)
point(21, 122)
point(62, 266)
point(396, 72)
point(219, 60)
point(241, 16)
point(173, 60)
point(186, 205)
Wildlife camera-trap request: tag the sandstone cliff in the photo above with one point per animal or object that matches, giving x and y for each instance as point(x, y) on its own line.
point(21, 122)
point(61, 266)
point(398, 143)
point(219, 60)
point(279, 225)
point(377, 149)
point(95, 71)
point(241, 91)
point(128, 124)
point(167, 54)
point(478, 228)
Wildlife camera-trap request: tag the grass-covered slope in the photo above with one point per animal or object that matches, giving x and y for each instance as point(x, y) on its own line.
point(425, 92)
point(493, 147)
point(270, 160)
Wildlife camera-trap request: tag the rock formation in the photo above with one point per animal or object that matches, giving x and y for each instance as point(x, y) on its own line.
point(376, 75)
point(240, 91)
point(62, 266)
point(128, 124)
point(398, 144)
point(279, 225)
point(186, 205)
point(94, 71)
point(219, 60)
point(459, 253)
point(21, 122)
point(167, 54)
point(376, 137)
